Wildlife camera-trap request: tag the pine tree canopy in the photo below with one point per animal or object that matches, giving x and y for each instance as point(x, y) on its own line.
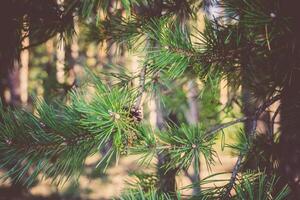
point(253, 45)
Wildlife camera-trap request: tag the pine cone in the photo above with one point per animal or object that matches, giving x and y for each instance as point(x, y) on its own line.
point(136, 114)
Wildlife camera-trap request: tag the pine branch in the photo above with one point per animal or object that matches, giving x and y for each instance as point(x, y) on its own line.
point(266, 104)
point(237, 165)
point(258, 112)
point(57, 140)
point(260, 185)
point(225, 125)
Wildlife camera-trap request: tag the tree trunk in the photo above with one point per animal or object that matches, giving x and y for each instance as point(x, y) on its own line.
point(60, 62)
point(24, 72)
point(166, 177)
point(192, 94)
point(248, 107)
point(289, 141)
point(13, 83)
point(289, 145)
point(72, 59)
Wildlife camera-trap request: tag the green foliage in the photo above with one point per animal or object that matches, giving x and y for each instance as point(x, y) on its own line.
point(90, 7)
point(259, 187)
point(145, 144)
point(242, 144)
point(59, 137)
point(249, 185)
point(184, 144)
point(255, 14)
point(107, 113)
point(207, 190)
point(210, 101)
point(174, 51)
point(116, 29)
point(30, 142)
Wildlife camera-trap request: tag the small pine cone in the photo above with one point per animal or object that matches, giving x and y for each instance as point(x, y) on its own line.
point(136, 114)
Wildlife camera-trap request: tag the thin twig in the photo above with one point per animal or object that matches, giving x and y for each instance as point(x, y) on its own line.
point(225, 125)
point(272, 122)
point(237, 165)
point(267, 104)
point(255, 117)
point(233, 176)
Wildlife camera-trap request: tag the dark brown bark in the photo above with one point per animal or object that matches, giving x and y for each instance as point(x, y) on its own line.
point(249, 108)
point(289, 146)
point(289, 143)
point(167, 177)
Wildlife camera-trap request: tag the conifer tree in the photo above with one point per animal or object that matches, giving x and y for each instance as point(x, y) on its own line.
point(250, 44)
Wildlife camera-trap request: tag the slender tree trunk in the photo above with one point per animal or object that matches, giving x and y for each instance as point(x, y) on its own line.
point(248, 107)
point(60, 62)
point(24, 72)
point(112, 47)
point(72, 59)
point(192, 116)
point(166, 177)
point(192, 95)
point(60, 55)
point(13, 83)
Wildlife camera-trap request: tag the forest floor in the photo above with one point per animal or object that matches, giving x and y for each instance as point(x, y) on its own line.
point(96, 185)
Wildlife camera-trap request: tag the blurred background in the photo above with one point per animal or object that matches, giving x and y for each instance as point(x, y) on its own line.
point(51, 69)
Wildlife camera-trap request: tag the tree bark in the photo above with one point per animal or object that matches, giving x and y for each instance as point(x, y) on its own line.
point(289, 141)
point(289, 145)
point(166, 177)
